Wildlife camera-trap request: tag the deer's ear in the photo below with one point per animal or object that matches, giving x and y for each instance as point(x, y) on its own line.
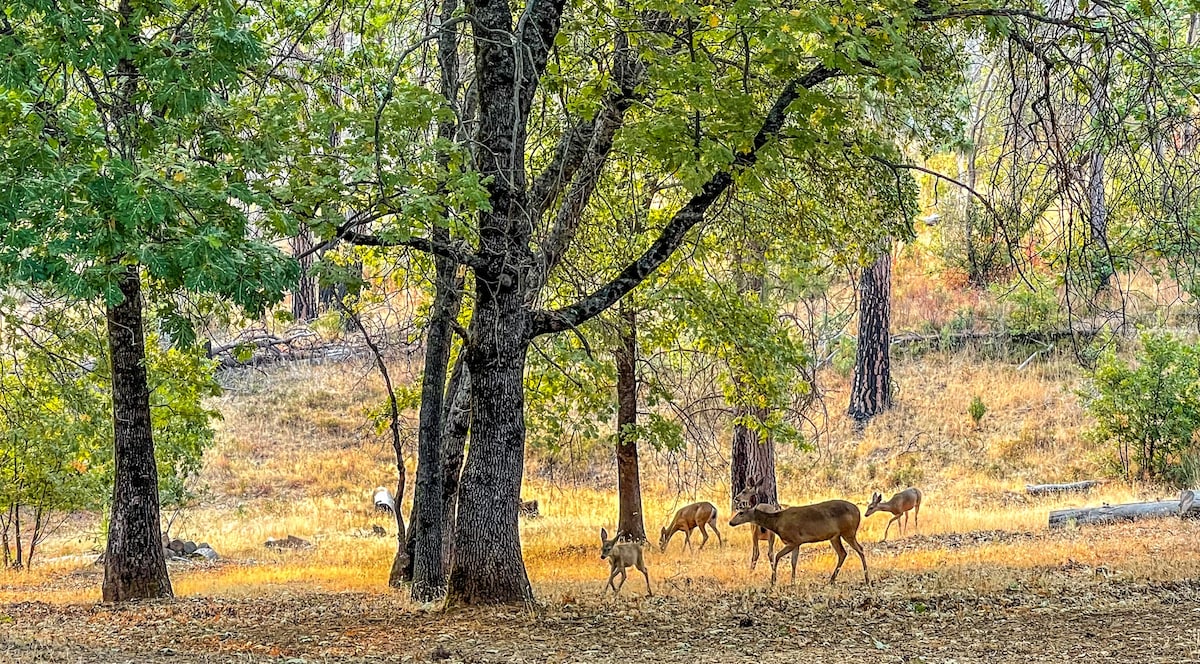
point(603, 535)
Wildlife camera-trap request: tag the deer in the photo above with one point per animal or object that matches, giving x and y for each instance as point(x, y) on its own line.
point(689, 517)
point(755, 494)
point(621, 555)
point(834, 521)
point(899, 505)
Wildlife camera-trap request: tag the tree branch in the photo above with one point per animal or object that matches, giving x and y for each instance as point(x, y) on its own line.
point(692, 213)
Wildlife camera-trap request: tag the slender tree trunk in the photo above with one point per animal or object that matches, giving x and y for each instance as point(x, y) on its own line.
point(456, 426)
point(428, 574)
point(20, 560)
point(134, 566)
point(487, 566)
point(4, 541)
point(871, 388)
point(630, 521)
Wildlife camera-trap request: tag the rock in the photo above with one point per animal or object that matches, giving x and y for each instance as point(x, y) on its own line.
point(529, 508)
point(206, 552)
point(176, 546)
point(378, 531)
point(189, 548)
point(203, 545)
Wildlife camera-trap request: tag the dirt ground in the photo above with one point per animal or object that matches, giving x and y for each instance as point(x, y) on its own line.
point(1064, 613)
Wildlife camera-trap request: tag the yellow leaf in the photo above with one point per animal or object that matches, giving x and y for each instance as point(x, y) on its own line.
point(179, 177)
point(714, 21)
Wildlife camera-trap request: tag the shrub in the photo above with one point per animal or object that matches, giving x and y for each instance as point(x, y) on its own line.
point(1149, 410)
point(977, 409)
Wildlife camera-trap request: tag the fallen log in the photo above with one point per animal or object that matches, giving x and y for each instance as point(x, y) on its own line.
point(1186, 507)
point(1069, 487)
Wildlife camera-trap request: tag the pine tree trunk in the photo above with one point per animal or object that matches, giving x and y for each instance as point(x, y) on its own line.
point(629, 486)
point(134, 565)
point(487, 567)
point(455, 428)
point(871, 387)
point(753, 460)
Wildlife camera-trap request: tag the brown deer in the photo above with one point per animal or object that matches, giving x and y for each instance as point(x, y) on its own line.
point(755, 494)
point(899, 505)
point(621, 555)
point(834, 521)
point(696, 515)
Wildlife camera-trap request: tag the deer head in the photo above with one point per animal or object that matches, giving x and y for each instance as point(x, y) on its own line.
point(606, 545)
point(662, 540)
point(873, 507)
point(748, 496)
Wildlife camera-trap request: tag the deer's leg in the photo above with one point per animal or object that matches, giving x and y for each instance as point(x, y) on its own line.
point(841, 554)
point(611, 576)
point(889, 527)
point(916, 518)
point(770, 541)
point(795, 557)
point(852, 540)
point(622, 583)
point(754, 553)
point(775, 563)
point(720, 541)
point(687, 539)
point(641, 565)
point(704, 532)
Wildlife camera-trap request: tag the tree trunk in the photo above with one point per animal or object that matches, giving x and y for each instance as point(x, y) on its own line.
point(134, 566)
point(630, 521)
point(487, 567)
point(871, 388)
point(753, 459)
point(304, 297)
point(428, 575)
point(1070, 487)
point(455, 427)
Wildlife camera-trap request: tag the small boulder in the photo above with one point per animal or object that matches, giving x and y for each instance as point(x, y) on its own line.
point(189, 548)
point(177, 546)
point(291, 542)
point(378, 531)
point(206, 552)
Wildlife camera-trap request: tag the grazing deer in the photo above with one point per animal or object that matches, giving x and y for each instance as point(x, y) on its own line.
point(621, 555)
point(834, 521)
point(899, 504)
point(755, 494)
point(696, 515)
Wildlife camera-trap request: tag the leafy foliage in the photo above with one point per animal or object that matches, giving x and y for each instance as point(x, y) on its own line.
point(1149, 409)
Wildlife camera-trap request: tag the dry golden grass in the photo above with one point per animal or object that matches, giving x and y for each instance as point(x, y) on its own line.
point(295, 457)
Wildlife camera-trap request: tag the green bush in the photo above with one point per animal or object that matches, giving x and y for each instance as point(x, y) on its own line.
point(1149, 410)
point(977, 409)
point(1033, 310)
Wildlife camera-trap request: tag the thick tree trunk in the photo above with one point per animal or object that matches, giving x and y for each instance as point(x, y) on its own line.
point(487, 567)
point(428, 574)
point(871, 388)
point(630, 521)
point(304, 297)
point(134, 565)
point(456, 426)
point(753, 460)
point(1070, 487)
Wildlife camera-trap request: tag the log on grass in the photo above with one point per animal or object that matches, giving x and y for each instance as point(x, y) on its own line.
point(1069, 487)
point(1186, 507)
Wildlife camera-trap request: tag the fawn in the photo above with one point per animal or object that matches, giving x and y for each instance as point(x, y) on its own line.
point(754, 494)
point(899, 505)
point(696, 515)
point(834, 521)
point(621, 555)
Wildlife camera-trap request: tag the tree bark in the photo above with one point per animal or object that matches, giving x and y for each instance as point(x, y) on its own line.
point(1070, 487)
point(487, 567)
point(629, 488)
point(304, 297)
point(871, 387)
point(1181, 509)
point(455, 427)
point(753, 460)
point(134, 565)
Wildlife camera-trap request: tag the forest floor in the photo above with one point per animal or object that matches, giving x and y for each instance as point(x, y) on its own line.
point(984, 580)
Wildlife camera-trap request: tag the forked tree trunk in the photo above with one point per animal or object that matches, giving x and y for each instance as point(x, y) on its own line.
point(134, 565)
point(487, 567)
point(871, 387)
point(629, 488)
